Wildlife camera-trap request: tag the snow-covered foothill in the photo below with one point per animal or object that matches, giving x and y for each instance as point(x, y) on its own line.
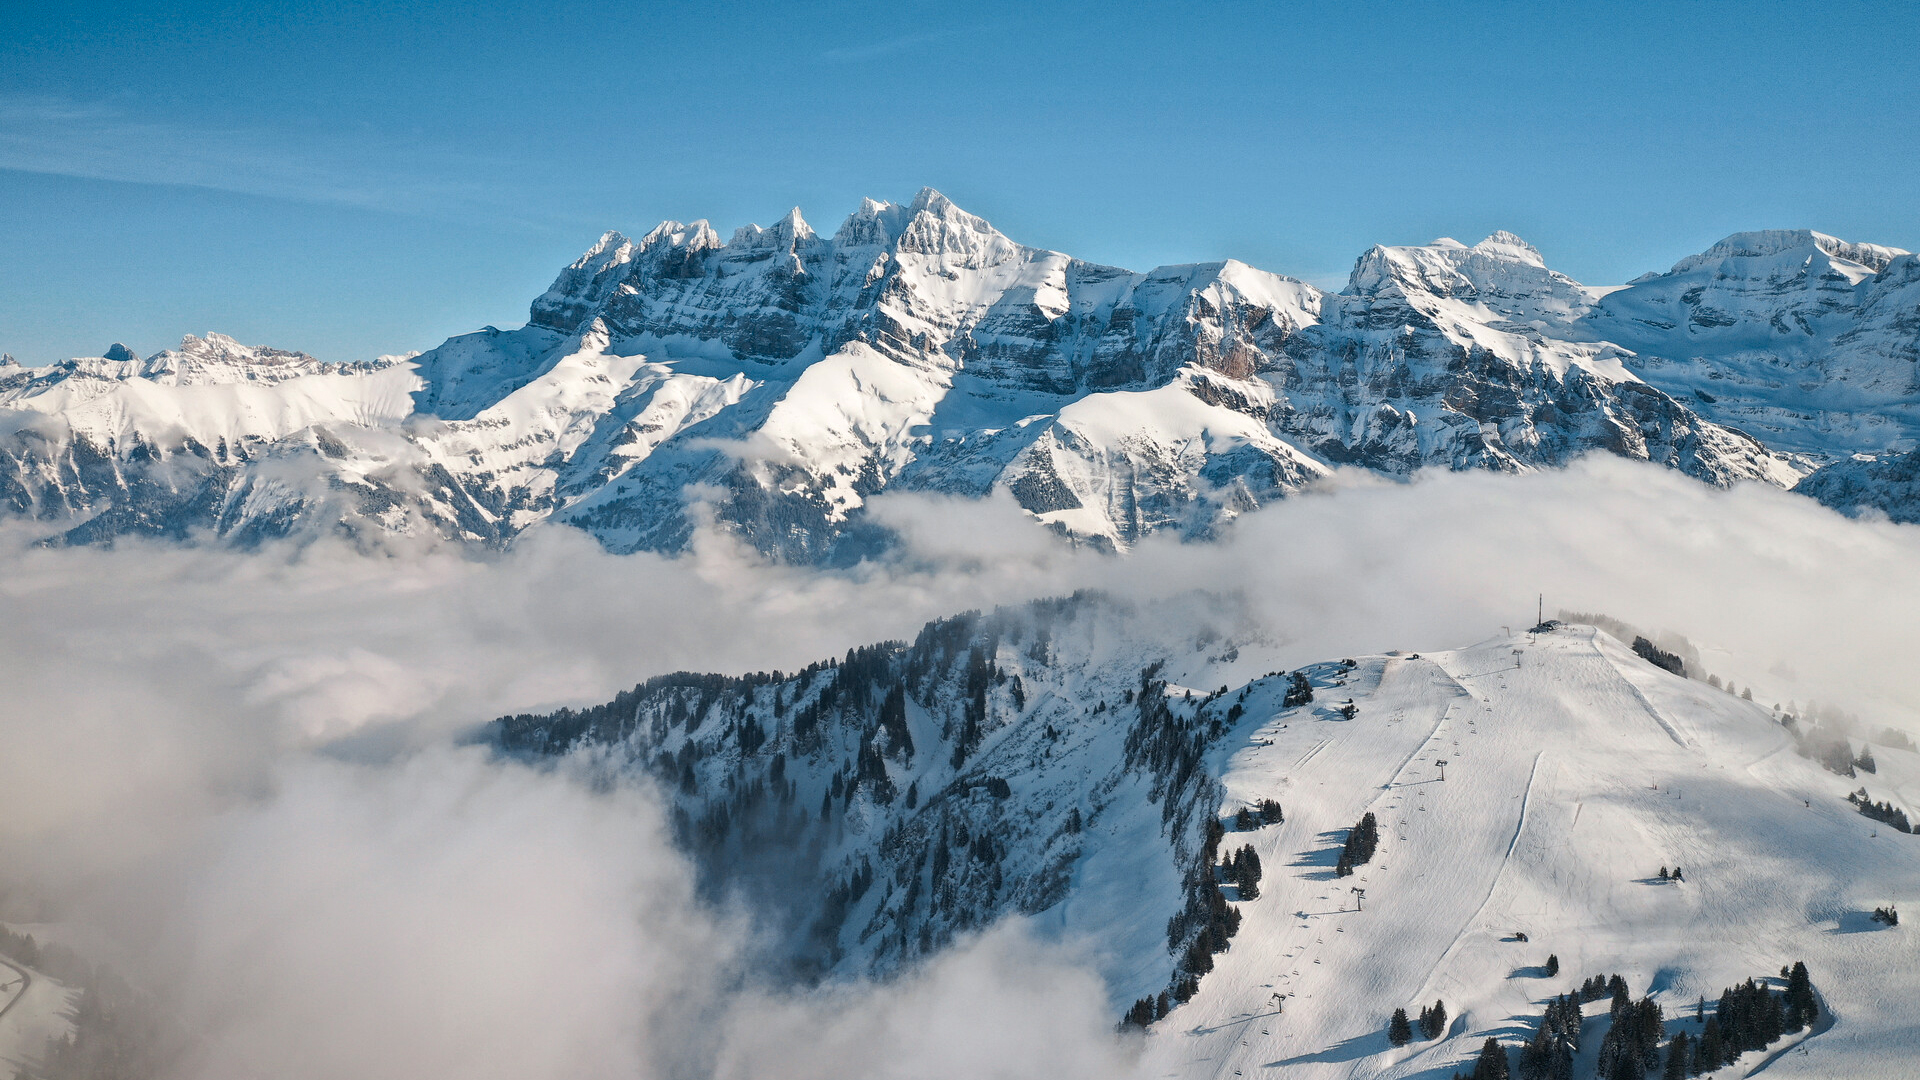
point(1063, 761)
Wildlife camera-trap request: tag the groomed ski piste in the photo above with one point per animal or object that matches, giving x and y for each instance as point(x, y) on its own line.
point(1575, 771)
point(33, 1010)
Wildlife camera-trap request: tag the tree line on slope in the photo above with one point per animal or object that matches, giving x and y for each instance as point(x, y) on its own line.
point(1172, 749)
point(1883, 812)
point(1749, 1016)
point(119, 1033)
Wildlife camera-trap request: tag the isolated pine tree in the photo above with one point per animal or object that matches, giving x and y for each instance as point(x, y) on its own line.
point(1399, 1032)
point(1553, 965)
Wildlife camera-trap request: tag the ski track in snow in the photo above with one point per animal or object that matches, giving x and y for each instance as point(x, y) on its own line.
point(38, 1010)
point(1573, 775)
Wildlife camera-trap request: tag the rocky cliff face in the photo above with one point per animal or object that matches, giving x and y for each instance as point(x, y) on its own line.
point(1139, 779)
point(1804, 340)
point(1889, 484)
point(776, 382)
point(875, 806)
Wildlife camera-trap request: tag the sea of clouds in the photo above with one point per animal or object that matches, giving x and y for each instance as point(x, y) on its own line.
point(246, 779)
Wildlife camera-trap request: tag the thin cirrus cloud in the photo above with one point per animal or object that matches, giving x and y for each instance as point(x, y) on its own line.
point(877, 49)
point(99, 140)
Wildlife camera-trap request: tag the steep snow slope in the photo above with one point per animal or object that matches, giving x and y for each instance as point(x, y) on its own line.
point(1448, 355)
point(1889, 483)
point(1575, 771)
point(878, 805)
point(1808, 341)
point(775, 382)
point(1064, 760)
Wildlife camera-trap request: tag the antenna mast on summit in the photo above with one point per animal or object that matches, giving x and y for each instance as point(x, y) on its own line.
point(1541, 610)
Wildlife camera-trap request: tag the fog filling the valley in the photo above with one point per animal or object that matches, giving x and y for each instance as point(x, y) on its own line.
point(235, 777)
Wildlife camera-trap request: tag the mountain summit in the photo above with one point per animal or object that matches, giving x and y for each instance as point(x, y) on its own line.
point(775, 382)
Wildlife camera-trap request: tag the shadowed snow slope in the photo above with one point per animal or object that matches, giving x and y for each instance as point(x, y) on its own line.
point(774, 382)
point(1064, 761)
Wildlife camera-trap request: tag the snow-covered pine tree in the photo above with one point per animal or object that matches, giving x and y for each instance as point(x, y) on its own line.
point(1679, 1057)
point(1399, 1032)
point(1492, 1062)
point(1433, 1022)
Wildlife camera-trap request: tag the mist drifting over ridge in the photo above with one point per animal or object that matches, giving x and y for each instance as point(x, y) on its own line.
point(247, 794)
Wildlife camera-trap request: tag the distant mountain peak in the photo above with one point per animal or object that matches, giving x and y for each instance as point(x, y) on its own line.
point(693, 236)
point(1503, 244)
point(1768, 243)
point(921, 349)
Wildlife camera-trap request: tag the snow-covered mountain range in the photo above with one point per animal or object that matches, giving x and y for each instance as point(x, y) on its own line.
point(775, 382)
point(1086, 764)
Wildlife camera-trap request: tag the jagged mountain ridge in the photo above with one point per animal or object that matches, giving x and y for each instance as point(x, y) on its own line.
point(1889, 484)
point(1098, 741)
point(985, 754)
point(775, 382)
point(1807, 341)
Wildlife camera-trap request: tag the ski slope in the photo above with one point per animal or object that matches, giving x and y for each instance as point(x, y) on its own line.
point(33, 1010)
point(1575, 771)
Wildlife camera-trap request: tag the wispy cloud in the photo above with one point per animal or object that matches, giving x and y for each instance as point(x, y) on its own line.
point(876, 49)
point(102, 141)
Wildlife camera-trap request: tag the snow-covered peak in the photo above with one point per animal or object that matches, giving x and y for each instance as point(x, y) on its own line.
point(612, 249)
point(1505, 245)
point(935, 226)
point(217, 359)
point(1770, 244)
point(875, 224)
point(1748, 291)
point(1503, 272)
point(692, 237)
point(782, 235)
point(584, 283)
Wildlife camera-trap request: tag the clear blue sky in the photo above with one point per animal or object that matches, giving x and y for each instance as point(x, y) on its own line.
point(354, 178)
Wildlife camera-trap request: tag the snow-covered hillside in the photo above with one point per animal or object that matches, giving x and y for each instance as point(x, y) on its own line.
point(775, 382)
point(1809, 342)
point(35, 1010)
point(1066, 760)
point(1888, 483)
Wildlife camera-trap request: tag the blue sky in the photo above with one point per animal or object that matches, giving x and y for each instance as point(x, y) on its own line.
point(358, 178)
